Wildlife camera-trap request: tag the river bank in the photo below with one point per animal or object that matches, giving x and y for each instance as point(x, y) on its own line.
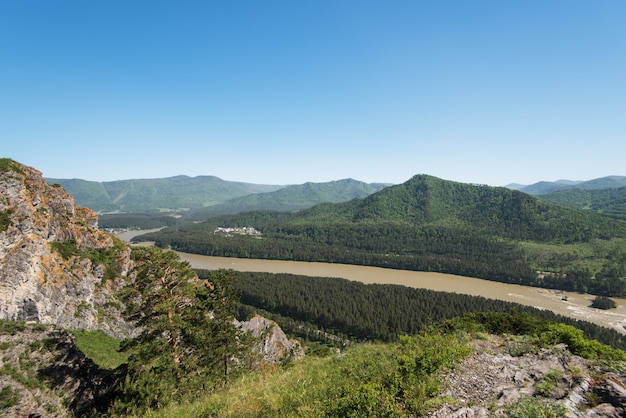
point(573, 305)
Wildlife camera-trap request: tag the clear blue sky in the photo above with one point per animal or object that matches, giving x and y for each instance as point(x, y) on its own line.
point(284, 92)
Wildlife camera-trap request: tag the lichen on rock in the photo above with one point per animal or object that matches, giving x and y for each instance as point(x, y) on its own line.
point(40, 283)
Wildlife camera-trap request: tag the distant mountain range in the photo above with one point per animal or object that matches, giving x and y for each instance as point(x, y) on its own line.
point(291, 198)
point(205, 196)
point(430, 224)
point(154, 195)
point(545, 187)
point(605, 196)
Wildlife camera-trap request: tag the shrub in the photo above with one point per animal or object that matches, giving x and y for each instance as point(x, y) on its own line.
point(602, 302)
point(528, 407)
point(8, 397)
point(5, 219)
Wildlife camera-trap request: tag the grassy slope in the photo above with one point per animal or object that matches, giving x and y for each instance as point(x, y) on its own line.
point(400, 379)
point(366, 380)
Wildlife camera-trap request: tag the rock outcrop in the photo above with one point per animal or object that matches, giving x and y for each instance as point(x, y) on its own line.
point(500, 376)
point(45, 375)
point(56, 267)
point(273, 343)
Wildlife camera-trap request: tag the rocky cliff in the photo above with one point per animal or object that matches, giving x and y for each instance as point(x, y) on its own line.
point(273, 345)
point(45, 375)
point(56, 267)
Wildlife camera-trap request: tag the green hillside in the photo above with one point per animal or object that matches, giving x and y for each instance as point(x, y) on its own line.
point(545, 187)
point(154, 195)
point(291, 198)
point(431, 224)
point(608, 202)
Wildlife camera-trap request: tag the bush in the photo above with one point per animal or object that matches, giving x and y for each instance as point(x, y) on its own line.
point(528, 407)
point(8, 397)
point(5, 219)
point(602, 302)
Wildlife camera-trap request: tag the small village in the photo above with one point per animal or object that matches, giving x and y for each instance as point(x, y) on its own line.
point(229, 232)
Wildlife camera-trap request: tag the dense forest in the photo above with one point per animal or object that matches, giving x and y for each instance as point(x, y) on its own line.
point(336, 310)
point(153, 195)
point(289, 198)
point(429, 224)
point(546, 187)
point(607, 202)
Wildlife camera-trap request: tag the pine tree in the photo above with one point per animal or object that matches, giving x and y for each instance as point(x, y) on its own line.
point(187, 333)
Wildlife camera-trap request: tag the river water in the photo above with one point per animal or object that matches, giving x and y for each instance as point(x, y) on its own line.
point(573, 305)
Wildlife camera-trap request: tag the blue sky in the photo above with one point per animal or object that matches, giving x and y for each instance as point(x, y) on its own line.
point(284, 92)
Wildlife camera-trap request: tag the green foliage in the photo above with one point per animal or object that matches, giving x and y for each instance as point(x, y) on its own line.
point(542, 333)
point(610, 202)
point(12, 327)
point(5, 219)
point(368, 380)
point(25, 374)
point(429, 224)
point(8, 397)
point(7, 164)
point(602, 302)
point(577, 343)
point(103, 349)
point(188, 336)
point(529, 407)
point(547, 385)
point(154, 195)
point(316, 308)
point(289, 198)
point(137, 220)
point(108, 256)
point(67, 249)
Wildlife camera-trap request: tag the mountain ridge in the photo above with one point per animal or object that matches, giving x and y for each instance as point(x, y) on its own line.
point(152, 195)
point(430, 224)
point(292, 198)
point(545, 187)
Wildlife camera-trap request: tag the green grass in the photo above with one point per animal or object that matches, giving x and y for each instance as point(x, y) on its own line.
point(101, 348)
point(7, 164)
point(375, 380)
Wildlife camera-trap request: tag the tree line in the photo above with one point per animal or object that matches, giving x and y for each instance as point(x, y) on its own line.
point(355, 311)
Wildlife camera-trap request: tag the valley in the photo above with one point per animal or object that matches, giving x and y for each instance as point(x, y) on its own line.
point(570, 304)
point(577, 305)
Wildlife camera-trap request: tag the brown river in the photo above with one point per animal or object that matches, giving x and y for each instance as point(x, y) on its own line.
point(574, 305)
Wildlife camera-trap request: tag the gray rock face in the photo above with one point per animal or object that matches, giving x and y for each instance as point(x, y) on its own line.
point(274, 344)
point(37, 282)
point(75, 385)
point(491, 380)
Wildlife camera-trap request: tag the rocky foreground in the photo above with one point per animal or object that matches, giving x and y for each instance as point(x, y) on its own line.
point(506, 376)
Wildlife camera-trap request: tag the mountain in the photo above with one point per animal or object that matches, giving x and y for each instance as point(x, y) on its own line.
point(59, 272)
point(291, 198)
point(431, 224)
point(545, 187)
point(607, 202)
point(154, 195)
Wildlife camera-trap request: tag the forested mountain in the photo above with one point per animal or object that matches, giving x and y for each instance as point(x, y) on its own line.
point(154, 195)
point(183, 353)
point(291, 198)
point(433, 225)
point(544, 187)
point(608, 202)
